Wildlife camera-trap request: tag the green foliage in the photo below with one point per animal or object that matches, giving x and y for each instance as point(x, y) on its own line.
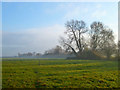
point(59, 73)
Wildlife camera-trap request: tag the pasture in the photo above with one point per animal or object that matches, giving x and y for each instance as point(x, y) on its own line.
point(59, 73)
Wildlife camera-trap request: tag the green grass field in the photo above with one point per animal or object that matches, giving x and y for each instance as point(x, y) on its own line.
point(18, 73)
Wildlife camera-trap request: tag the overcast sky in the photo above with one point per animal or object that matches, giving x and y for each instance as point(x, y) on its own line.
point(36, 27)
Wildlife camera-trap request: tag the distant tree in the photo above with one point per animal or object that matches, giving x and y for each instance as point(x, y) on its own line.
point(19, 54)
point(34, 53)
point(29, 54)
point(48, 52)
point(57, 50)
point(74, 41)
point(38, 54)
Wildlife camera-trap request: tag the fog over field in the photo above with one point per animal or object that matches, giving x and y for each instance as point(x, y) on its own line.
point(36, 27)
point(60, 45)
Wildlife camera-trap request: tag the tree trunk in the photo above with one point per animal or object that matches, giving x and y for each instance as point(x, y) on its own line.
point(108, 56)
point(75, 53)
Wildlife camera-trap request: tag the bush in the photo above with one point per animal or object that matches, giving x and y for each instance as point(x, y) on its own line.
point(88, 55)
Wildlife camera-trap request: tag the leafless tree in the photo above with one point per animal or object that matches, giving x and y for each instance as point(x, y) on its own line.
point(96, 28)
point(107, 44)
point(102, 39)
point(74, 40)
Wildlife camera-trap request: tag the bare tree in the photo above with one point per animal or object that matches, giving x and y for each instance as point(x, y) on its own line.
point(107, 44)
point(102, 39)
point(75, 36)
point(96, 28)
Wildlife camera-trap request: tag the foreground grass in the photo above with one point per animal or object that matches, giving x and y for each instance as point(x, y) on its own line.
point(35, 73)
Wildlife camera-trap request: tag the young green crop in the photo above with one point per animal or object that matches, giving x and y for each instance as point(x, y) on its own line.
point(27, 73)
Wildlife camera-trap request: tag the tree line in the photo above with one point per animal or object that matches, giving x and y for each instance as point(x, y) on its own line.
point(98, 41)
point(94, 42)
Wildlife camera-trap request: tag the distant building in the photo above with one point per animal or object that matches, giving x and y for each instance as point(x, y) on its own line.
point(29, 54)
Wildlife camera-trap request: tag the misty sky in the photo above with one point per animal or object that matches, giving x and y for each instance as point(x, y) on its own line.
point(36, 27)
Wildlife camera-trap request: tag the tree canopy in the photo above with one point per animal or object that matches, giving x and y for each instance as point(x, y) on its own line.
point(101, 38)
